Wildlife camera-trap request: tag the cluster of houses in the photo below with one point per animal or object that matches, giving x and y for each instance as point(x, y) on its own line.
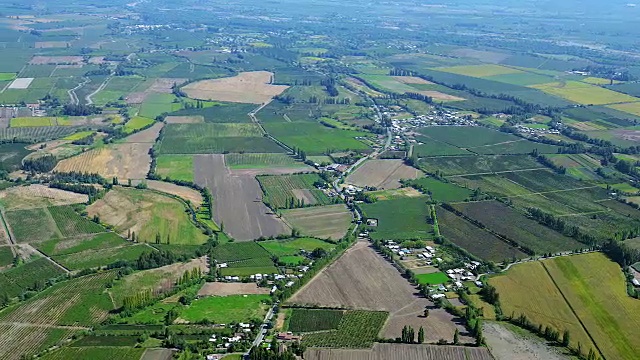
point(428, 253)
point(534, 132)
point(225, 342)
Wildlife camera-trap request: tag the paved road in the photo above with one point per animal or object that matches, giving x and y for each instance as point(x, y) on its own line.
point(263, 328)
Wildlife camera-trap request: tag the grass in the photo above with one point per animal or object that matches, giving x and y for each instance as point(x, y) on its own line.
point(282, 248)
point(316, 139)
point(432, 278)
point(7, 76)
point(227, 309)
point(260, 161)
point(239, 251)
point(175, 167)
point(136, 123)
point(440, 191)
point(631, 108)
point(78, 135)
point(404, 218)
point(32, 225)
point(32, 122)
point(387, 83)
point(308, 320)
point(585, 94)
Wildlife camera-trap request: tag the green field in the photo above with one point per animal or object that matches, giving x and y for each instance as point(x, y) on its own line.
point(136, 123)
point(387, 83)
point(460, 165)
point(96, 353)
point(79, 135)
point(316, 139)
point(440, 191)
point(308, 320)
point(12, 155)
point(227, 309)
point(400, 219)
point(283, 248)
point(260, 161)
point(292, 191)
point(357, 329)
point(433, 278)
point(32, 225)
point(71, 224)
point(585, 94)
point(466, 136)
point(6, 256)
point(32, 122)
point(480, 70)
point(175, 167)
point(30, 276)
point(89, 259)
point(157, 104)
point(239, 251)
point(431, 147)
point(215, 112)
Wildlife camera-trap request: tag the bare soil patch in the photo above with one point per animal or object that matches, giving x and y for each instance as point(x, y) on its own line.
point(226, 289)
point(165, 85)
point(147, 136)
point(400, 352)
point(184, 119)
point(238, 200)
point(437, 95)
point(248, 87)
point(412, 80)
point(507, 345)
point(629, 135)
point(181, 191)
point(33, 196)
point(51, 44)
point(56, 60)
point(21, 83)
point(395, 193)
point(124, 161)
point(304, 195)
point(158, 354)
point(325, 222)
point(382, 174)
point(136, 97)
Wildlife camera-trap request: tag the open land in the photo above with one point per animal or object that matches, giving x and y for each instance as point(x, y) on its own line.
point(328, 222)
point(225, 289)
point(400, 352)
point(505, 344)
point(248, 87)
point(382, 174)
point(186, 193)
point(36, 195)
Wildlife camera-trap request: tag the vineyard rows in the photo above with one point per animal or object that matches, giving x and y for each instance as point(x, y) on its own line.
point(15, 281)
point(36, 134)
point(357, 329)
point(279, 190)
point(307, 320)
point(71, 224)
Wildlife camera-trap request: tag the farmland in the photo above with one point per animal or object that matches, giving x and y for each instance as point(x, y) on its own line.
point(28, 276)
point(440, 191)
point(382, 174)
point(97, 353)
point(260, 161)
point(36, 195)
point(478, 242)
point(293, 246)
point(147, 214)
point(524, 231)
point(401, 219)
point(356, 329)
point(401, 352)
point(316, 139)
point(176, 167)
point(575, 294)
point(122, 161)
point(214, 112)
point(585, 94)
point(326, 222)
point(226, 309)
point(467, 165)
point(247, 87)
point(308, 320)
point(292, 191)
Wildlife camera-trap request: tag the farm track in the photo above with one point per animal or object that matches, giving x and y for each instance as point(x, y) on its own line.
point(255, 120)
point(100, 88)
point(10, 236)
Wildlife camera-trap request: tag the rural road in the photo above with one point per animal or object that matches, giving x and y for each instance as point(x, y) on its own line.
point(263, 328)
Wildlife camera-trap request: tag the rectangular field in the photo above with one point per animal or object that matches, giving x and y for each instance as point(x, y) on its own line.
point(292, 191)
point(467, 136)
point(227, 309)
point(294, 246)
point(260, 161)
point(400, 219)
point(382, 351)
point(356, 329)
point(474, 165)
point(308, 320)
point(326, 222)
point(247, 87)
point(585, 94)
point(175, 167)
point(316, 139)
point(382, 174)
point(440, 191)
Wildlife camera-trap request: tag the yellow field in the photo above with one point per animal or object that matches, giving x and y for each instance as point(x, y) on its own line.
point(598, 81)
point(528, 289)
point(32, 121)
point(630, 108)
point(479, 70)
point(584, 94)
point(78, 135)
point(595, 293)
point(137, 123)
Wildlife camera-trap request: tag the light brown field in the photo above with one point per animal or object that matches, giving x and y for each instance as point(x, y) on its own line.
point(382, 174)
point(51, 44)
point(396, 193)
point(57, 60)
point(124, 161)
point(324, 222)
point(184, 119)
point(226, 289)
point(382, 351)
point(146, 136)
point(361, 279)
point(629, 135)
point(585, 126)
point(248, 87)
point(34, 196)
point(165, 85)
point(437, 95)
point(158, 354)
point(181, 191)
point(508, 345)
point(358, 84)
point(411, 80)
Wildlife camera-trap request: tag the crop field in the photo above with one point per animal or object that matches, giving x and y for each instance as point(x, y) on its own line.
point(631, 108)
point(12, 155)
point(545, 180)
point(248, 87)
point(149, 215)
point(124, 161)
point(36, 134)
point(32, 122)
point(6, 255)
point(480, 70)
point(71, 224)
point(136, 123)
point(357, 329)
point(432, 278)
point(585, 94)
point(186, 193)
point(382, 351)
point(467, 136)
point(96, 353)
point(260, 161)
point(239, 251)
point(326, 222)
point(36, 195)
point(382, 174)
point(515, 148)
point(400, 219)
point(316, 139)
point(515, 226)
point(388, 83)
point(478, 242)
point(32, 225)
point(474, 165)
point(579, 166)
point(69, 246)
point(226, 309)
point(216, 112)
point(176, 167)
point(212, 130)
point(431, 147)
point(441, 191)
point(293, 246)
point(307, 320)
point(16, 280)
point(226, 289)
point(292, 191)
point(88, 259)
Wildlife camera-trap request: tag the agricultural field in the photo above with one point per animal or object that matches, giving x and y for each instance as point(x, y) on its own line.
point(191, 195)
point(511, 224)
point(214, 112)
point(36, 134)
point(260, 161)
point(226, 289)
point(70, 224)
point(294, 246)
point(175, 167)
point(400, 219)
point(476, 241)
point(317, 139)
point(507, 342)
point(440, 191)
point(382, 174)
point(326, 222)
point(356, 329)
point(474, 165)
point(226, 309)
point(29, 276)
point(148, 215)
point(381, 351)
point(32, 225)
point(97, 353)
point(234, 252)
point(137, 123)
point(36, 195)
point(430, 147)
point(248, 87)
point(579, 166)
point(309, 320)
point(467, 137)
point(12, 155)
point(576, 298)
point(480, 70)
point(391, 83)
point(292, 191)
point(435, 278)
point(584, 94)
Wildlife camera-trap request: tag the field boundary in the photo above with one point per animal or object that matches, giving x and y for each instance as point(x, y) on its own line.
point(572, 309)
